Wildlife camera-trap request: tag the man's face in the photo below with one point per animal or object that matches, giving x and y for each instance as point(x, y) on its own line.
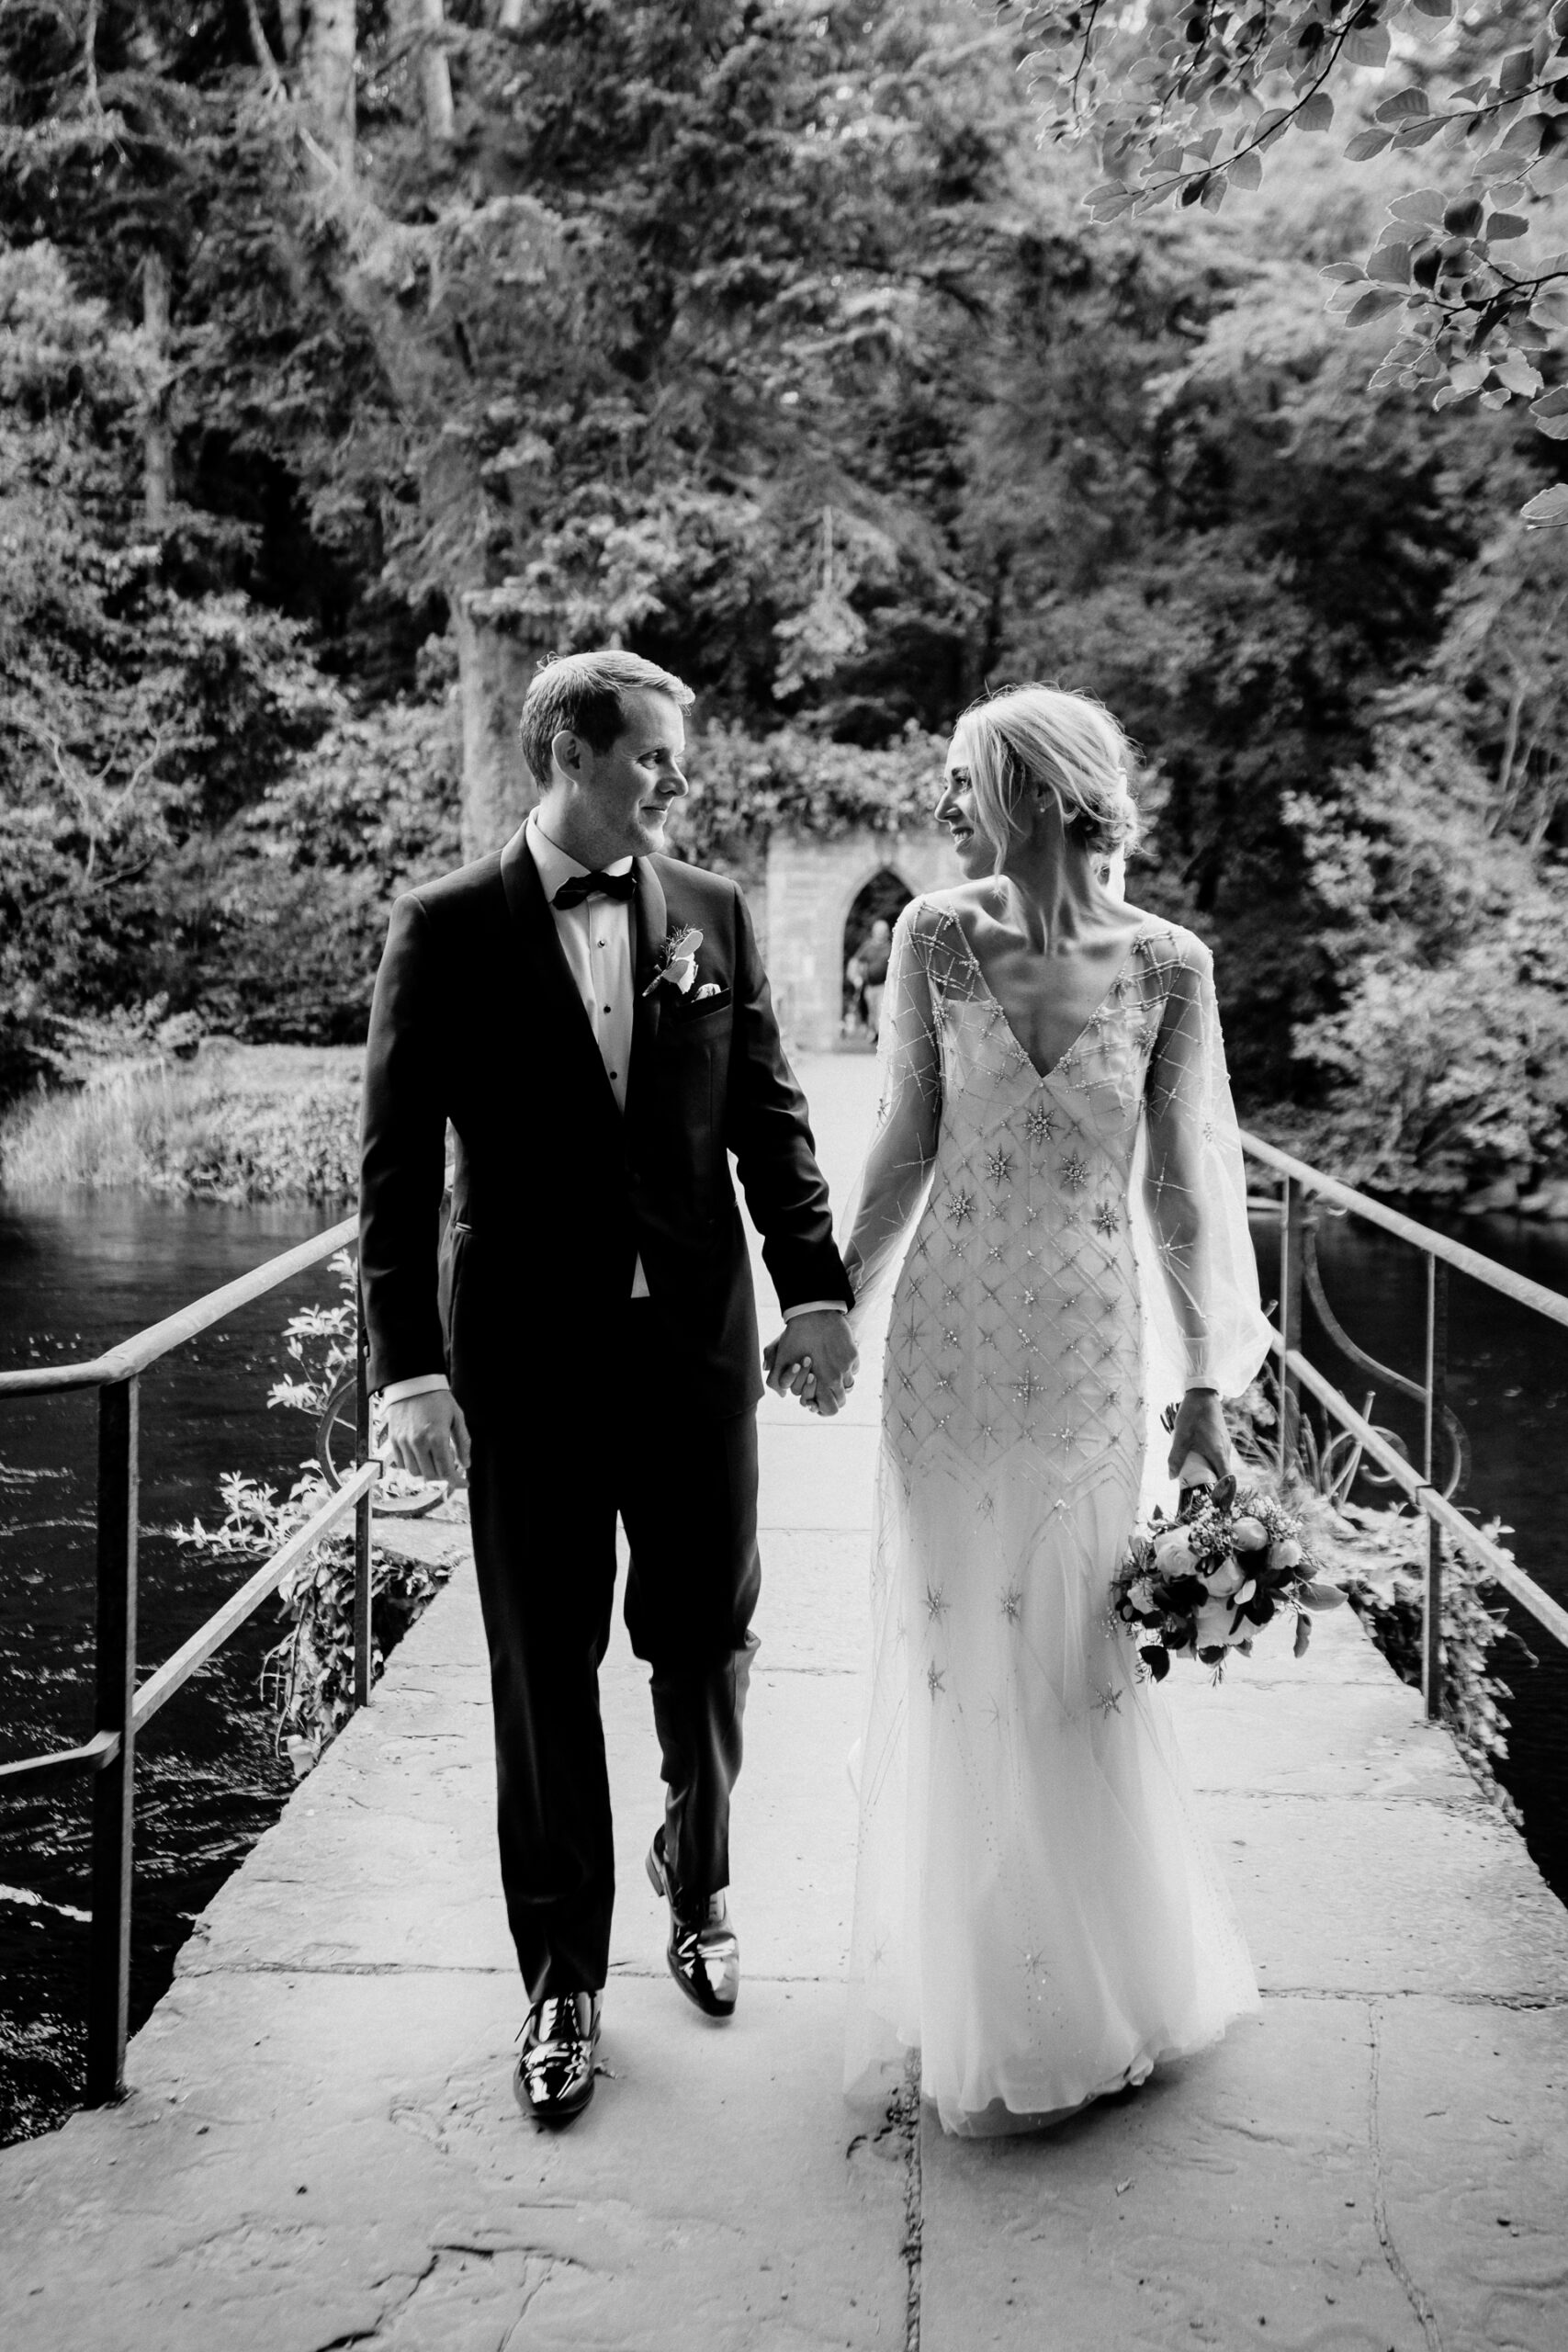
point(623, 795)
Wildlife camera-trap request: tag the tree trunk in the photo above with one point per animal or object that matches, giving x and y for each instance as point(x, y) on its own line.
point(155, 450)
point(494, 666)
point(291, 17)
point(329, 77)
point(426, 18)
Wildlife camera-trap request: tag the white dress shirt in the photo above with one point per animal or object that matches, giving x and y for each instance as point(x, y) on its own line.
point(596, 940)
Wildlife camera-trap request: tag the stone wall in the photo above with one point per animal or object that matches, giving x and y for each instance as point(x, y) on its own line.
point(811, 885)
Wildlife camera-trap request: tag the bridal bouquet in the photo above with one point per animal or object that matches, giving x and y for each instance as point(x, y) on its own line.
point(1204, 1583)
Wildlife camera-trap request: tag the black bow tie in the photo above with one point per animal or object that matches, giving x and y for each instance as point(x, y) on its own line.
point(573, 892)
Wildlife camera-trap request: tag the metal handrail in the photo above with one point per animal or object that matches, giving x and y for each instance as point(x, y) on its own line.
point(1465, 1260)
point(1466, 1538)
point(121, 1708)
point(138, 1354)
point(1444, 1521)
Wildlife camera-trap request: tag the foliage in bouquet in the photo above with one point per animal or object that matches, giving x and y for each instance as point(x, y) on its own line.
point(1209, 1580)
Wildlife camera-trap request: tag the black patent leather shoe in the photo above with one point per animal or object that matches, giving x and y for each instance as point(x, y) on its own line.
point(554, 2080)
point(704, 1951)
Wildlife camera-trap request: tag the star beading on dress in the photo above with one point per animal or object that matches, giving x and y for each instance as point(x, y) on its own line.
point(936, 1607)
point(999, 1166)
point(1106, 1219)
point(960, 1206)
point(1109, 1701)
point(1074, 1170)
point(936, 1679)
point(1040, 1125)
point(1012, 1604)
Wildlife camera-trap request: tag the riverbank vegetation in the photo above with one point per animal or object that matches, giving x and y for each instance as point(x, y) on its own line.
point(233, 1124)
point(346, 370)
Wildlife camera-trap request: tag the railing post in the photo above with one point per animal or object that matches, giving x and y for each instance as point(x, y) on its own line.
point(1435, 1386)
point(1291, 1220)
point(362, 1507)
point(114, 1791)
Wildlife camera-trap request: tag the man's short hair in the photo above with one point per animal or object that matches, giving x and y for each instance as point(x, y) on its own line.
point(581, 694)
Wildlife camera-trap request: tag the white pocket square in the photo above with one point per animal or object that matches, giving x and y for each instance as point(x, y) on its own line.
point(709, 987)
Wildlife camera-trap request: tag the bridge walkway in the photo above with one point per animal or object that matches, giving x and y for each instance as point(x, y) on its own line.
point(320, 2148)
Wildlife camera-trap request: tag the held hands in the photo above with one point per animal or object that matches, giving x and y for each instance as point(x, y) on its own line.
point(428, 1436)
point(814, 1358)
point(1200, 1429)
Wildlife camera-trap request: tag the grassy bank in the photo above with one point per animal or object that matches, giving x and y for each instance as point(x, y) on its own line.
point(238, 1122)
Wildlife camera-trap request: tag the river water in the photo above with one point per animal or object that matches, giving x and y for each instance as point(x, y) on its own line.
point(76, 1274)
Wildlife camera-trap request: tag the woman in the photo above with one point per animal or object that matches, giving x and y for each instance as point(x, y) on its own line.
point(1036, 1909)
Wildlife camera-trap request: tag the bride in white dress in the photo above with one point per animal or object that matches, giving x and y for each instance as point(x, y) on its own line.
point(1036, 1909)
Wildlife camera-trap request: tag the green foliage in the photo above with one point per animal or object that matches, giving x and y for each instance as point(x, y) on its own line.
point(759, 338)
point(240, 1123)
point(282, 914)
point(129, 715)
point(308, 1677)
point(1447, 1060)
point(1385, 1553)
point(1380, 1554)
point(1184, 104)
point(745, 785)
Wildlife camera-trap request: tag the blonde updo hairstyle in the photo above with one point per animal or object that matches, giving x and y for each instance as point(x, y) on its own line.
point(1027, 738)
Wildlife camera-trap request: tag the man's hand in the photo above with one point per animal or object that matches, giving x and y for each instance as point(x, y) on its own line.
point(814, 1358)
point(1200, 1430)
point(428, 1436)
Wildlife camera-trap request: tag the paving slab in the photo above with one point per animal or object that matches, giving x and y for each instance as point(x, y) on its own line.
point(309, 2161)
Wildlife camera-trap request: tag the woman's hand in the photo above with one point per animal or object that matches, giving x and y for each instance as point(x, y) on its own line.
point(1200, 1430)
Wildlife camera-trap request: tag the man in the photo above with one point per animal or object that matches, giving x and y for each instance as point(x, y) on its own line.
point(593, 1018)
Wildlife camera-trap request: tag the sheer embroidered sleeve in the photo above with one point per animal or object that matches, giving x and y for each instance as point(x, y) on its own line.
point(1209, 1326)
point(899, 1165)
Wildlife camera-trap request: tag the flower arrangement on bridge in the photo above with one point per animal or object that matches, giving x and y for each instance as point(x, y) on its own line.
point(1208, 1581)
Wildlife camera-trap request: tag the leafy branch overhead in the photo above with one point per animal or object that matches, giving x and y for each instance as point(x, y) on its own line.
point(1184, 97)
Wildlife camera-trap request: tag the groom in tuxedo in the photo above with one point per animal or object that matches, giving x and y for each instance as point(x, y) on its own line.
point(591, 1018)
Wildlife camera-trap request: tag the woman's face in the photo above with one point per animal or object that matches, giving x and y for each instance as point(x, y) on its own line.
point(955, 809)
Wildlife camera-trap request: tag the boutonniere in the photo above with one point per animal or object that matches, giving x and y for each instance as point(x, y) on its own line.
point(677, 961)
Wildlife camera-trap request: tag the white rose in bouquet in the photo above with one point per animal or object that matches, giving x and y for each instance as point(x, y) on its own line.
point(1214, 1624)
point(1222, 1577)
point(1285, 1553)
point(1173, 1554)
point(1141, 1593)
point(1249, 1535)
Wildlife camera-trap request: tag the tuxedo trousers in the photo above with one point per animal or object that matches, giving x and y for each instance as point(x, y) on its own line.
point(545, 1490)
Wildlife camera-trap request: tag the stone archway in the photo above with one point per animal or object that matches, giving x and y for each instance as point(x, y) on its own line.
point(811, 884)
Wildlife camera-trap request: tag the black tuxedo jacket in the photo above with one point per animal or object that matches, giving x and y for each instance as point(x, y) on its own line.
point(477, 1021)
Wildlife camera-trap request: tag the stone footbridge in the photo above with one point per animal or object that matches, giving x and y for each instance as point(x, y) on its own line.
point(320, 2147)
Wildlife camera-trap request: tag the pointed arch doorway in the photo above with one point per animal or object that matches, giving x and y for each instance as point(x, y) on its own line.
point(868, 930)
point(822, 898)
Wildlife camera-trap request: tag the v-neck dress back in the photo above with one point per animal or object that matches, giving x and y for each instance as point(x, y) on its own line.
point(1036, 1909)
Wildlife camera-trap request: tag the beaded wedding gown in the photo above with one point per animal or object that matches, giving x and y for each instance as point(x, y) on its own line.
point(1036, 1908)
